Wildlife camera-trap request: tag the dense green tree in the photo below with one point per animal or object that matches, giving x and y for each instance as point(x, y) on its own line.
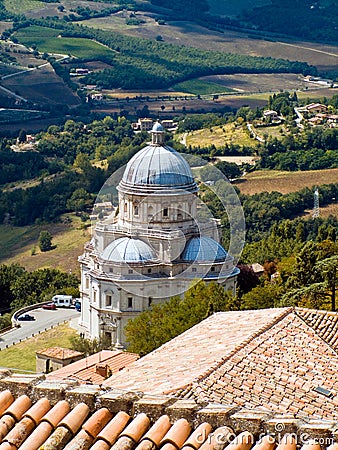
point(266, 296)
point(45, 241)
point(164, 321)
point(8, 276)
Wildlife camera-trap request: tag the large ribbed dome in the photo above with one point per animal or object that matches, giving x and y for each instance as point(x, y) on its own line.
point(128, 250)
point(203, 249)
point(157, 167)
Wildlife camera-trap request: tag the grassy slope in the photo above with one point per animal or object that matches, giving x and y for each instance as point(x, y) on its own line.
point(47, 40)
point(16, 244)
point(200, 86)
point(55, 337)
point(285, 182)
point(220, 136)
point(22, 6)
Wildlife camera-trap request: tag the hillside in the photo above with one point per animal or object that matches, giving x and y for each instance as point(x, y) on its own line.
point(20, 245)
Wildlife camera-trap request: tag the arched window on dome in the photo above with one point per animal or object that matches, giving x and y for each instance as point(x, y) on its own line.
point(136, 212)
point(125, 208)
point(165, 212)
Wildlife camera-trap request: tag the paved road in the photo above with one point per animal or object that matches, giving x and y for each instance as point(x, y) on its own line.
point(44, 319)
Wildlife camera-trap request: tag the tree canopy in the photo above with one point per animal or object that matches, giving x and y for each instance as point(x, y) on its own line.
point(165, 321)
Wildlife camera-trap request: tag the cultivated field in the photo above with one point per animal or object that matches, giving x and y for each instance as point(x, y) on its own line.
point(41, 86)
point(325, 57)
point(17, 244)
point(284, 182)
point(202, 86)
point(47, 40)
point(23, 6)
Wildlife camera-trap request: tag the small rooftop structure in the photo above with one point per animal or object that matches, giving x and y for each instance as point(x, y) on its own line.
point(54, 358)
point(95, 368)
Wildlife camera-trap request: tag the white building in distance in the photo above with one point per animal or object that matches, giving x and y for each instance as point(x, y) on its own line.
point(153, 247)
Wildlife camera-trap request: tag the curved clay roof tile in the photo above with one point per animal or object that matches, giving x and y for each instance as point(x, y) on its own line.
point(196, 439)
point(113, 429)
point(137, 428)
point(177, 434)
point(75, 418)
point(288, 442)
point(244, 441)
point(311, 445)
point(7, 446)
point(100, 445)
point(7, 422)
point(38, 437)
point(57, 413)
point(97, 422)
point(19, 407)
point(266, 443)
point(218, 439)
point(38, 410)
point(158, 430)
point(6, 399)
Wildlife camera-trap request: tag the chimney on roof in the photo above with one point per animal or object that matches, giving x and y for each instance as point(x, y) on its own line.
point(103, 370)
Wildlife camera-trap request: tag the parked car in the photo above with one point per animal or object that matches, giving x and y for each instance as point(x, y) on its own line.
point(49, 306)
point(26, 317)
point(77, 305)
point(63, 301)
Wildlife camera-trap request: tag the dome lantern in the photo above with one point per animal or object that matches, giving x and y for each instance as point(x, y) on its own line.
point(157, 133)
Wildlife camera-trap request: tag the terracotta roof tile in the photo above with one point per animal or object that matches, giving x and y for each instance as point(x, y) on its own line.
point(19, 407)
point(111, 432)
point(6, 399)
point(57, 429)
point(46, 426)
point(136, 429)
point(59, 353)
point(198, 437)
point(75, 418)
point(217, 337)
point(283, 360)
point(97, 422)
point(177, 434)
point(86, 369)
point(266, 443)
point(156, 432)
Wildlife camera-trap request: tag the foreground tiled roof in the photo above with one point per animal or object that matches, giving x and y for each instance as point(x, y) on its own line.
point(282, 360)
point(178, 362)
point(92, 368)
point(70, 424)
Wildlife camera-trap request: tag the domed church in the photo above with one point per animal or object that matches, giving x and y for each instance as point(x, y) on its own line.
point(155, 245)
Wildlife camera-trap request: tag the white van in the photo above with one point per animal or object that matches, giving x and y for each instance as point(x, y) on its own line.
point(63, 301)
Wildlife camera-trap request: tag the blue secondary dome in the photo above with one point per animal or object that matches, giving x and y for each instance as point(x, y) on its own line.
point(128, 250)
point(203, 249)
